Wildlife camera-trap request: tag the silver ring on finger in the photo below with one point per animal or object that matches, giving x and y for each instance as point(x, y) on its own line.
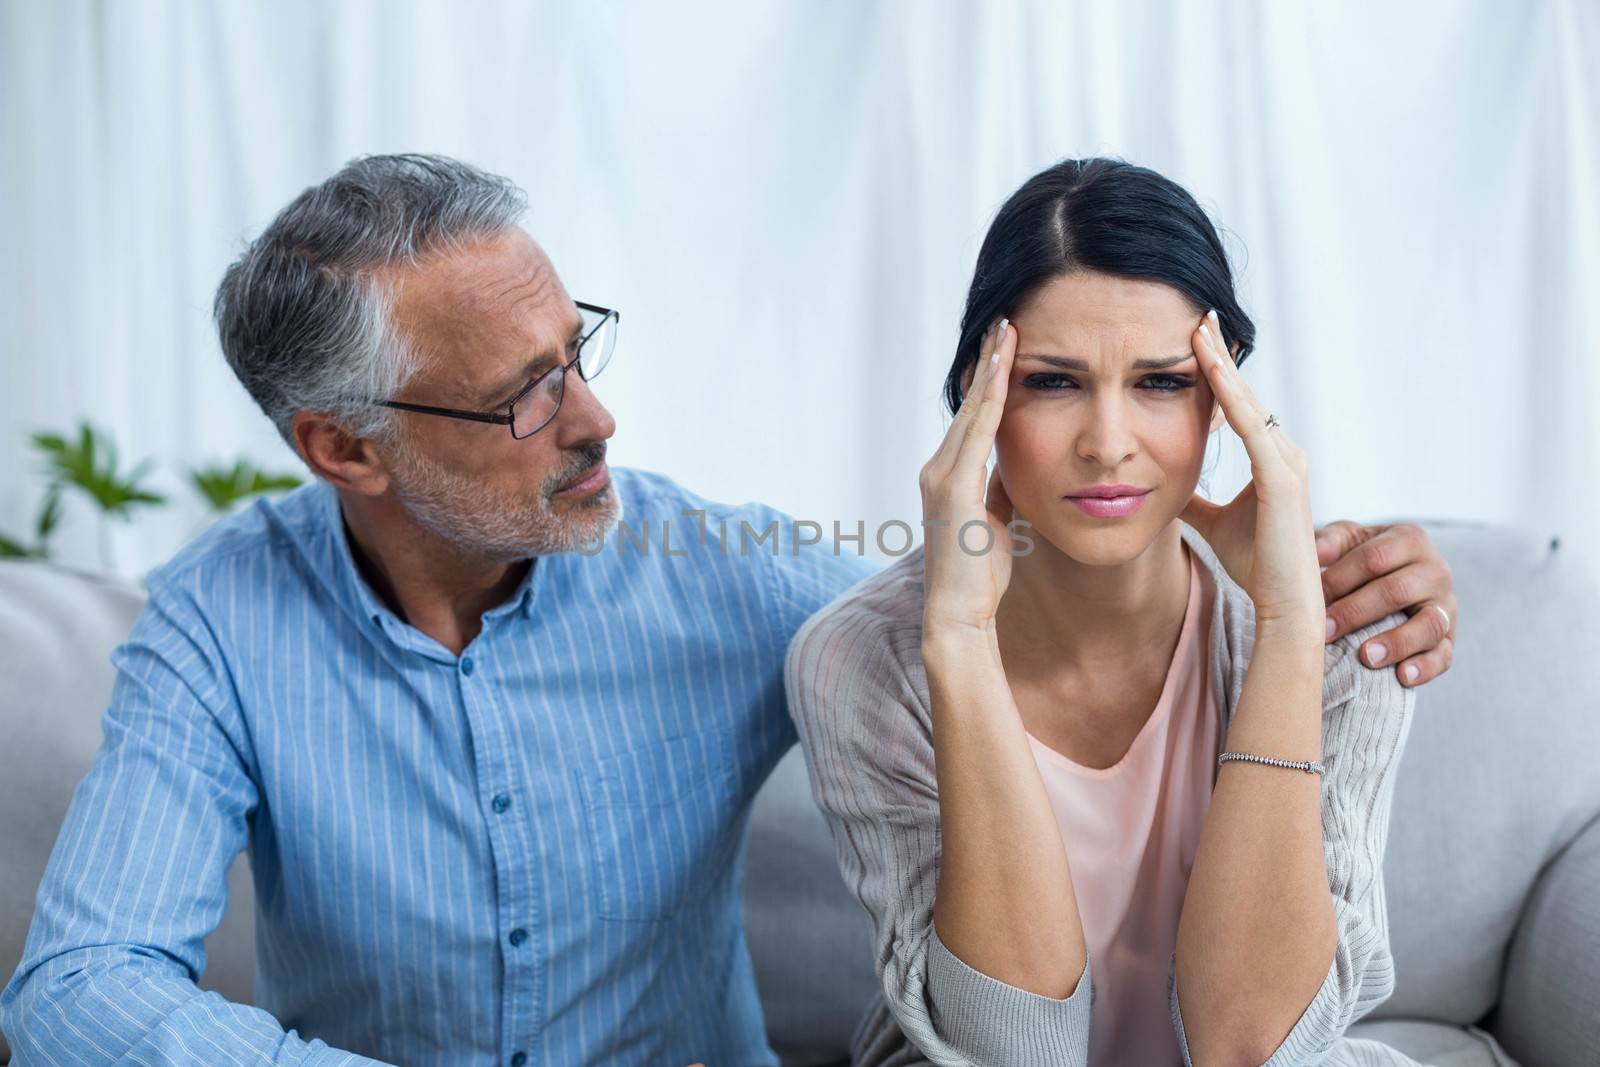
point(1446, 615)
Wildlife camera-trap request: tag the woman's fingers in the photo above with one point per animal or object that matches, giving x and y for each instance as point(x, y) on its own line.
point(978, 439)
point(1238, 402)
point(1276, 434)
point(962, 591)
point(1247, 416)
point(944, 456)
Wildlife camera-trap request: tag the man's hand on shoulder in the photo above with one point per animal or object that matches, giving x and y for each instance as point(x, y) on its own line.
point(1370, 572)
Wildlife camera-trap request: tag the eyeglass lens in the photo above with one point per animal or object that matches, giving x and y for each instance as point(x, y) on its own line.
point(538, 405)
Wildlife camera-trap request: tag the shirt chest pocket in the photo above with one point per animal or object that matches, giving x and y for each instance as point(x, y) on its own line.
point(660, 821)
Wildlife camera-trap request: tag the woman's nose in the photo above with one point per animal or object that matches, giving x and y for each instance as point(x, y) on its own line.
point(1107, 437)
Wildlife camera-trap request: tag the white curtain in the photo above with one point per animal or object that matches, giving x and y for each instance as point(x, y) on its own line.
point(785, 200)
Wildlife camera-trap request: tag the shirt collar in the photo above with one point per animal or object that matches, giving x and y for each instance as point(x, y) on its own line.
point(365, 602)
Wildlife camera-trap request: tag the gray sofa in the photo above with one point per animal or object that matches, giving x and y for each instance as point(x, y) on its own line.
point(1492, 869)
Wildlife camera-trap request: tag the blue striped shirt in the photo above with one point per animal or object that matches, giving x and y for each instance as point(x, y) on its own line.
point(530, 853)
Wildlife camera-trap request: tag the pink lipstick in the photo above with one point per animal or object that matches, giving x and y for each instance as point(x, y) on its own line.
point(1109, 501)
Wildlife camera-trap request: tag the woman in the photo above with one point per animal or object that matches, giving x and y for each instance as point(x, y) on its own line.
point(1094, 784)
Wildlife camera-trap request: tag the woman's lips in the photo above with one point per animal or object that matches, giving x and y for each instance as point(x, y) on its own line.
point(1109, 507)
point(592, 483)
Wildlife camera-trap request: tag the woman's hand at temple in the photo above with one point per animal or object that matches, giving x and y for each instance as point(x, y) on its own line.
point(1368, 572)
point(963, 585)
point(1004, 903)
point(1265, 536)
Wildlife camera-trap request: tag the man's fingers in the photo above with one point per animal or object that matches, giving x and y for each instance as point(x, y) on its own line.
point(1424, 631)
point(1377, 551)
point(1406, 589)
point(1424, 668)
point(1337, 538)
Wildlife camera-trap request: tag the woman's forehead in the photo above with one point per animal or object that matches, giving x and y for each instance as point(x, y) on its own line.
point(1096, 321)
point(1096, 299)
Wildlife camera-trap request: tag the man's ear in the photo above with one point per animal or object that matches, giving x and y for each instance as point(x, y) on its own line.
point(336, 456)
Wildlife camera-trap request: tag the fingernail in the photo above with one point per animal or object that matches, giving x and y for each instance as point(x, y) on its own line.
point(1212, 315)
point(1375, 654)
point(1410, 672)
point(1205, 332)
point(1330, 627)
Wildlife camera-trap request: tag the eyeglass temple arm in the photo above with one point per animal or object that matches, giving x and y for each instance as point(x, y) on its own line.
point(476, 416)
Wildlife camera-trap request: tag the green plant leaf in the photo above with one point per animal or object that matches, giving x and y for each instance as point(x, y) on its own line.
point(49, 515)
point(223, 487)
point(10, 549)
point(90, 465)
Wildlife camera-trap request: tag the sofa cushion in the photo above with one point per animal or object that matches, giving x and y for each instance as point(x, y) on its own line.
point(1436, 1044)
point(810, 942)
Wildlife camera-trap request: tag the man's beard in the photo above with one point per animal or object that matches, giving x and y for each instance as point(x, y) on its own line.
point(474, 517)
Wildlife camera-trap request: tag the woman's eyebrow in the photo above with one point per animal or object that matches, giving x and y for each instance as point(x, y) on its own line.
point(1080, 364)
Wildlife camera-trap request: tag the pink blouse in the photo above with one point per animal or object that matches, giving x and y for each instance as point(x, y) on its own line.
point(1131, 831)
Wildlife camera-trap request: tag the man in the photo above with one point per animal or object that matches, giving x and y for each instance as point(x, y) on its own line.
point(494, 783)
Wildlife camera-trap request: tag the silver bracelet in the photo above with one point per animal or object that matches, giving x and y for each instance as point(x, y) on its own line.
point(1309, 766)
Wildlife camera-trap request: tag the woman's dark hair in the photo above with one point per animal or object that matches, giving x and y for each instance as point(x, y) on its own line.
point(1103, 215)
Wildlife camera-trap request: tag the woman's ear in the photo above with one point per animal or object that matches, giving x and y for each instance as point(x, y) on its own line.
point(966, 378)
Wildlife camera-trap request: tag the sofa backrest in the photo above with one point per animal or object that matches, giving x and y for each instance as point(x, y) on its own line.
point(1498, 773)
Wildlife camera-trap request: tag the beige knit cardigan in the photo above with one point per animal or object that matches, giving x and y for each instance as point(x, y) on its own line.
point(858, 694)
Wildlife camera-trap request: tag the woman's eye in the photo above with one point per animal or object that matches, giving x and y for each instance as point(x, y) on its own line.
point(1160, 383)
point(1171, 383)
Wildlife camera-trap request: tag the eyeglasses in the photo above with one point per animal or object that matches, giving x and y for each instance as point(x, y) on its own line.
point(532, 409)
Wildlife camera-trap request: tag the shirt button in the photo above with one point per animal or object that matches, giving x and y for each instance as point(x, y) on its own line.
point(466, 665)
point(518, 1059)
point(501, 803)
point(518, 936)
